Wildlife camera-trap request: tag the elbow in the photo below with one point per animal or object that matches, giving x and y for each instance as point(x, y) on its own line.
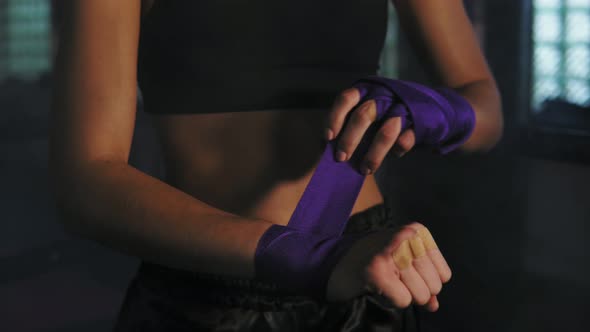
point(497, 122)
point(492, 117)
point(67, 205)
point(61, 188)
point(65, 216)
point(489, 124)
point(72, 198)
point(498, 133)
point(83, 194)
point(486, 102)
point(495, 130)
point(488, 135)
point(77, 212)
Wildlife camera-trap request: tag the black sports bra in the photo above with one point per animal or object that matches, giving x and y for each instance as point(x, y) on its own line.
point(209, 56)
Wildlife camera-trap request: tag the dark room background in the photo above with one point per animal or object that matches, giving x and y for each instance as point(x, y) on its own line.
point(512, 222)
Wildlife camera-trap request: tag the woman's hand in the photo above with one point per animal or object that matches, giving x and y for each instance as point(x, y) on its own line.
point(389, 137)
point(404, 265)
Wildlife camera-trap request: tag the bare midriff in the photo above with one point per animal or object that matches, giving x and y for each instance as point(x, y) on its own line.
point(254, 164)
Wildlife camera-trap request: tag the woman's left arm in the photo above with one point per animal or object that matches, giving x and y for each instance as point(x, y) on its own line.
point(445, 41)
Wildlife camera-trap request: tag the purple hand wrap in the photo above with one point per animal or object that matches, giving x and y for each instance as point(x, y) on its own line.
point(441, 118)
point(299, 261)
point(301, 255)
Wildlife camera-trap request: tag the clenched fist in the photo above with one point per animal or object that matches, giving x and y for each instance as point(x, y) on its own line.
point(404, 265)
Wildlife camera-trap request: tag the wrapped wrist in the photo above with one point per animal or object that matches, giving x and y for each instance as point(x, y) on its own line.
point(300, 261)
point(440, 118)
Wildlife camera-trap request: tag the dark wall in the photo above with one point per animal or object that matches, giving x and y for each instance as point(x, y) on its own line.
point(502, 218)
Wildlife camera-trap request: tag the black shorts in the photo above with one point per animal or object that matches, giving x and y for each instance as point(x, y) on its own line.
point(165, 299)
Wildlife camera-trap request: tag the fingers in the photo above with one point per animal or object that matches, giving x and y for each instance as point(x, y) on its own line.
point(385, 278)
point(410, 269)
point(432, 305)
point(405, 142)
point(424, 266)
point(342, 106)
point(403, 259)
point(383, 142)
point(418, 259)
point(436, 257)
point(389, 272)
point(359, 122)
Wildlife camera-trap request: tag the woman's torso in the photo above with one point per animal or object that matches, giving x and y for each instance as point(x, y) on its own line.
point(254, 163)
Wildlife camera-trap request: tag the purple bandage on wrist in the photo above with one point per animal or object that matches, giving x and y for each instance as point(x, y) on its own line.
point(299, 261)
point(440, 118)
point(301, 256)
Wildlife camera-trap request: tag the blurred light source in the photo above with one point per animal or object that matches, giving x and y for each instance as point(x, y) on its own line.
point(389, 55)
point(561, 59)
point(25, 33)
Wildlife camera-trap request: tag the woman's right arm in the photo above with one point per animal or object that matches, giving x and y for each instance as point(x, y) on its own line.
point(98, 194)
point(103, 198)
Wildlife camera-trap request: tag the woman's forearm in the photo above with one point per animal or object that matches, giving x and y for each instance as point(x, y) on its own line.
point(486, 102)
point(99, 195)
point(125, 209)
point(444, 39)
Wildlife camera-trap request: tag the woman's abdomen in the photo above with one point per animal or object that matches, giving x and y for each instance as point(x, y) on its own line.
point(254, 164)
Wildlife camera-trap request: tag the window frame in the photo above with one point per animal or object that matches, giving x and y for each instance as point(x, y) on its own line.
point(547, 138)
point(562, 45)
point(524, 133)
